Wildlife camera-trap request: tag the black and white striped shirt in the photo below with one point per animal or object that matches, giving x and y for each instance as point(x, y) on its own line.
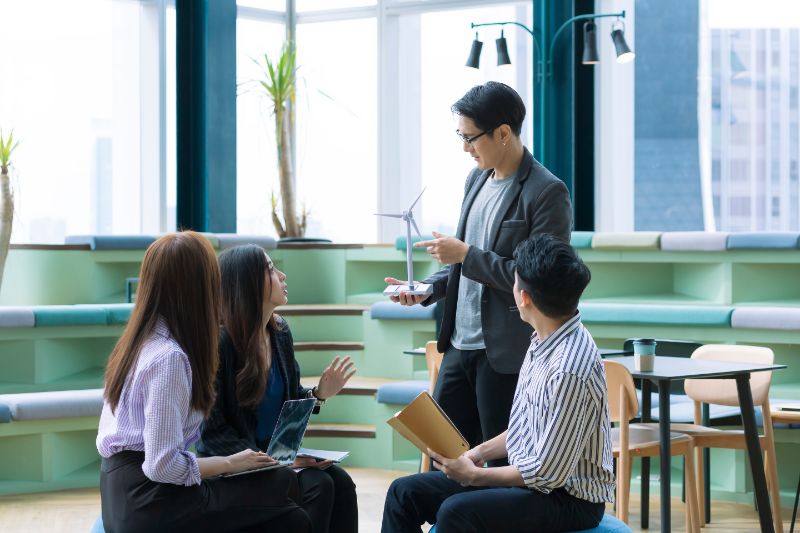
point(559, 432)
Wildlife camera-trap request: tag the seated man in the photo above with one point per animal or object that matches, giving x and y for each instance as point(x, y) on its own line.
point(558, 440)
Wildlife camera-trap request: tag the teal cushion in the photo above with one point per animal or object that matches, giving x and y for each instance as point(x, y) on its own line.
point(119, 313)
point(581, 239)
point(112, 242)
point(70, 315)
point(773, 240)
point(5, 413)
point(400, 242)
point(393, 311)
point(687, 315)
point(401, 392)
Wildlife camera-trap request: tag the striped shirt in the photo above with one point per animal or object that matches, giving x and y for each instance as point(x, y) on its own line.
point(559, 432)
point(154, 413)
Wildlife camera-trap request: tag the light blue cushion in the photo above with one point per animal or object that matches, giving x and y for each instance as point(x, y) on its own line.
point(694, 241)
point(393, 311)
point(609, 524)
point(581, 239)
point(401, 392)
point(5, 413)
point(119, 313)
point(400, 242)
point(54, 404)
point(687, 315)
point(97, 527)
point(787, 318)
point(229, 240)
point(112, 242)
point(777, 240)
point(16, 317)
point(70, 315)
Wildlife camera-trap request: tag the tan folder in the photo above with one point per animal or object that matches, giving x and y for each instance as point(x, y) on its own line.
point(425, 425)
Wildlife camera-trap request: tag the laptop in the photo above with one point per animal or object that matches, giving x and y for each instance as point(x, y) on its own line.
point(288, 434)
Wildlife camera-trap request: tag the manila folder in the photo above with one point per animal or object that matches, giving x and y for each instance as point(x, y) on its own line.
point(425, 425)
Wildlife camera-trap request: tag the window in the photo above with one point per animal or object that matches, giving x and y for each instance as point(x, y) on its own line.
point(78, 92)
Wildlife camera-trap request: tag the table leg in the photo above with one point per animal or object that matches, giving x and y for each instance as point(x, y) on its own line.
point(645, 488)
point(707, 468)
point(666, 454)
point(754, 453)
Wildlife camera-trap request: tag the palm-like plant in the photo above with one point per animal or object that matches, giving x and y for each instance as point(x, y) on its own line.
point(278, 83)
point(7, 147)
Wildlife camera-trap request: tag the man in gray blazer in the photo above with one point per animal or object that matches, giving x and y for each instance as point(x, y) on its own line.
point(508, 197)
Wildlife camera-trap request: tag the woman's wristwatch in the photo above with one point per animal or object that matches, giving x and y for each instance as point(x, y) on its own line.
point(312, 393)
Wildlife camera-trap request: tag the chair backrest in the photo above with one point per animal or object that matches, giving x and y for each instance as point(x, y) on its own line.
point(723, 391)
point(671, 348)
point(434, 361)
point(621, 392)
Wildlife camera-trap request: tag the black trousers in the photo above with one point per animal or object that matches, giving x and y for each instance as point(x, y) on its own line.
point(475, 397)
point(431, 497)
point(329, 498)
point(261, 501)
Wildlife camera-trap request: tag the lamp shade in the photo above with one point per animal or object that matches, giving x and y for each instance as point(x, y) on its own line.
point(590, 56)
point(624, 53)
point(474, 58)
point(502, 51)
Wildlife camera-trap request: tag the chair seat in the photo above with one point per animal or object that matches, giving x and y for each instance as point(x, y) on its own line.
point(645, 436)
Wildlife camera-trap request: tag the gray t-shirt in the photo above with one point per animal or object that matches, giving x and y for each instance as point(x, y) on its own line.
point(468, 334)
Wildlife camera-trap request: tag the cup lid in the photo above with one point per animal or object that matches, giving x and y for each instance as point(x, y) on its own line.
point(644, 341)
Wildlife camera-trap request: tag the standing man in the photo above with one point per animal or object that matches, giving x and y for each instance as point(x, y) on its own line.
point(508, 197)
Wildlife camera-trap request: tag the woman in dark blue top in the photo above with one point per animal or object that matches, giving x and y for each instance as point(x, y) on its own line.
point(258, 372)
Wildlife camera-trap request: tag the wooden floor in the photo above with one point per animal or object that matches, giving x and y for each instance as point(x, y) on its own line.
point(75, 510)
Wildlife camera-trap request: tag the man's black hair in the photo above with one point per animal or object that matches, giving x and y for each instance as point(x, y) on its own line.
point(491, 105)
point(552, 274)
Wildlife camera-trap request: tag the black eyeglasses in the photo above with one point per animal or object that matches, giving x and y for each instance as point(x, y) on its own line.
point(470, 140)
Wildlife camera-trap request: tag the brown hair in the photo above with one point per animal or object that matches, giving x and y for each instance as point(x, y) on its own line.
point(245, 271)
point(179, 282)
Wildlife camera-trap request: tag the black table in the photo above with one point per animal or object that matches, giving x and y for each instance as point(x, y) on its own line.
point(668, 369)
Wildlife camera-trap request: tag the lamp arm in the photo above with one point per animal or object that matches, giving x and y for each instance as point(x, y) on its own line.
point(567, 23)
point(531, 31)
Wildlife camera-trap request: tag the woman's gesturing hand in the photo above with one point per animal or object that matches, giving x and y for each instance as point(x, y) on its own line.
point(248, 460)
point(335, 377)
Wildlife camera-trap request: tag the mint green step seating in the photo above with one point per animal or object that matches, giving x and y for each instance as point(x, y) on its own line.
point(783, 318)
point(401, 392)
point(694, 241)
point(779, 240)
point(688, 315)
point(581, 239)
point(16, 317)
point(633, 240)
point(70, 315)
point(55, 404)
point(112, 242)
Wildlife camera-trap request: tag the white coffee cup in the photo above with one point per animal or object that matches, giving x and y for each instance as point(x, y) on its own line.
point(644, 354)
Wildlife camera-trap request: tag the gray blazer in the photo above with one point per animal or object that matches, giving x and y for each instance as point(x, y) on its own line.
point(536, 202)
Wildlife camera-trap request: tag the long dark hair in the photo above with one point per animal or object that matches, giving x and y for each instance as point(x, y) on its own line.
point(245, 287)
point(179, 282)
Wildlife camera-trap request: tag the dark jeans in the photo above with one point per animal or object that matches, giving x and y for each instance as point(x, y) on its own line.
point(261, 501)
point(431, 497)
point(329, 498)
point(475, 397)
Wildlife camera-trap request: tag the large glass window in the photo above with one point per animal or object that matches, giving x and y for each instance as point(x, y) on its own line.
point(75, 92)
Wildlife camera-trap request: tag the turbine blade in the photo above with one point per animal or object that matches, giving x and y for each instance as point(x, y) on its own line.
point(388, 215)
point(417, 200)
point(411, 219)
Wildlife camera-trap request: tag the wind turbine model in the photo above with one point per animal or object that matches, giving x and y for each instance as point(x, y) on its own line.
point(419, 289)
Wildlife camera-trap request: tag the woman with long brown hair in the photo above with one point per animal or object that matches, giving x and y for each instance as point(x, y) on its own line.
point(258, 372)
point(159, 386)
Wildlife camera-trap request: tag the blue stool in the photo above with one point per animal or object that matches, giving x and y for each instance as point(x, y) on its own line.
point(98, 525)
point(609, 524)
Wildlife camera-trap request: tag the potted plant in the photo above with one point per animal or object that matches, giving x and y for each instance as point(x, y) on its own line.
point(278, 84)
point(7, 147)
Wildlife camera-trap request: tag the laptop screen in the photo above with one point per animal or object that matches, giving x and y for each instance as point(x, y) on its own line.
point(289, 430)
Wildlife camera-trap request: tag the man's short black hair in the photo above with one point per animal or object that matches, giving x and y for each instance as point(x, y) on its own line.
point(491, 105)
point(552, 273)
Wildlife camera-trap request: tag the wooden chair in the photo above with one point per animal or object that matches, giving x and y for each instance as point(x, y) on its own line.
point(434, 361)
point(724, 392)
point(781, 416)
point(638, 440)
